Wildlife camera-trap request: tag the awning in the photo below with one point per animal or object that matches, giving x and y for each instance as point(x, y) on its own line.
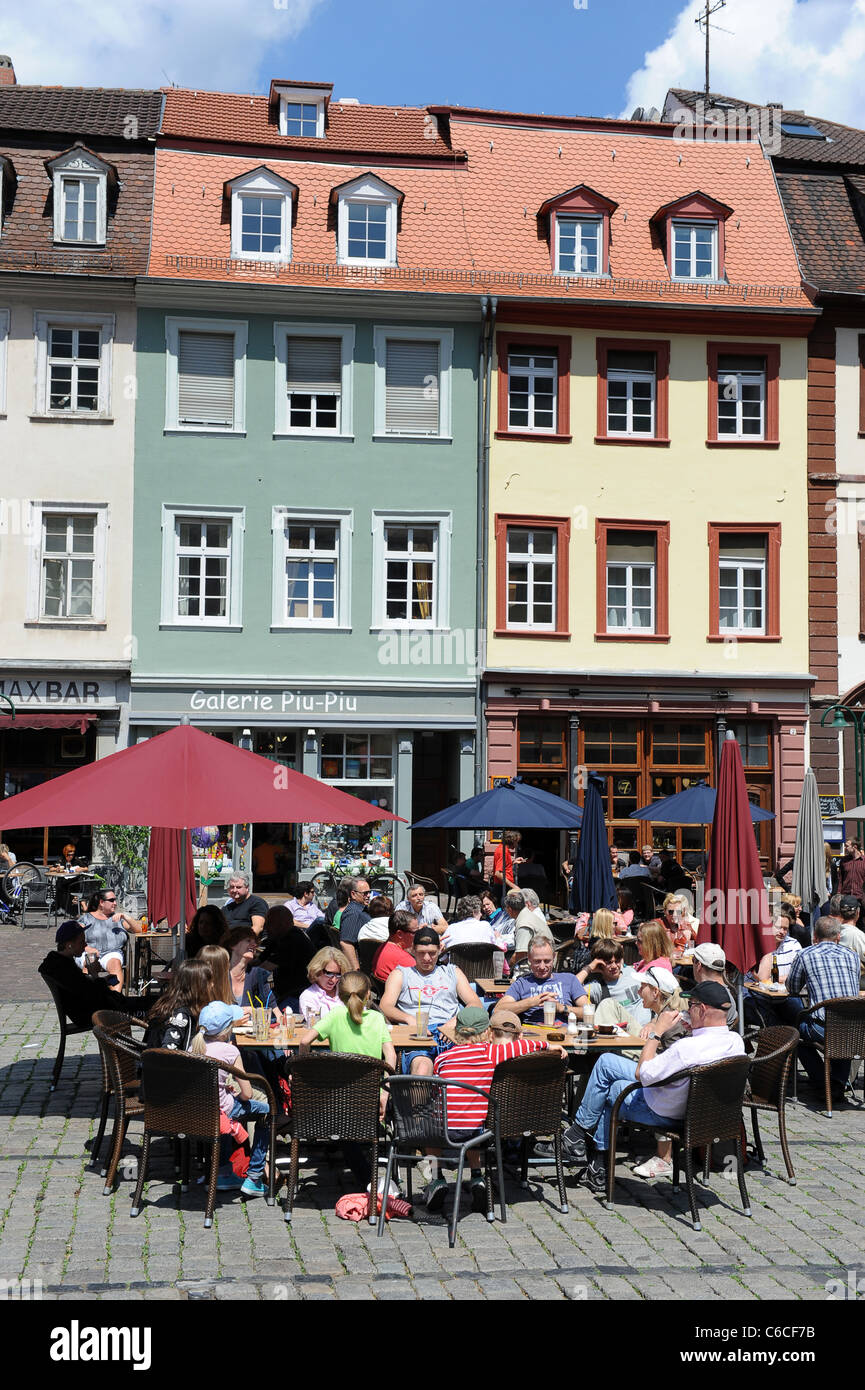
point(45, 719)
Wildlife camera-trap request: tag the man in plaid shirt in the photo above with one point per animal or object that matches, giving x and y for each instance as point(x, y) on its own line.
point(830, 971)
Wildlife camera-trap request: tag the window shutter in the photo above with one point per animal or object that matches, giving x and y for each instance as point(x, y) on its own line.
point(314, 365)
point(205, 373)
point(412, 388)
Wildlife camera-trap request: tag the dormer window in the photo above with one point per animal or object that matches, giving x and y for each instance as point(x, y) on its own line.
point(8, 184)
point(367, 210)
point(579, 231)
point(80, 196)
point(692, 232)
point(302, 108)
point(695, 250)
point(578, 245)
point(261, 216)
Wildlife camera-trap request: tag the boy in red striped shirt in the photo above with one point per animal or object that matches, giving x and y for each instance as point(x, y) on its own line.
point(479, 1048)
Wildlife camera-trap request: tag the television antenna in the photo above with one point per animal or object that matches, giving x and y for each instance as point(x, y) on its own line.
point(703, 21)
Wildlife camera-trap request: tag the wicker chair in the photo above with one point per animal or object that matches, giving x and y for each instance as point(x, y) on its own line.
point(181, 1099)
point(771, 1065)
point(474, 959)
point(334, 1096)
point(419, 1119)
point(528, 1092)
point(67, 1029)
point(844, 1036)
point(713, 1112)
point(113, 1024)
point(365, 952)
point(120, 1058)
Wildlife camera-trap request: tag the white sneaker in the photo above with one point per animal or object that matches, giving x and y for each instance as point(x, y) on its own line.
point(654, 1167)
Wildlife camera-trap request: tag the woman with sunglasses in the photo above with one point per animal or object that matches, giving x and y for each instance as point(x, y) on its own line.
point(105, 932)
point(324, 972)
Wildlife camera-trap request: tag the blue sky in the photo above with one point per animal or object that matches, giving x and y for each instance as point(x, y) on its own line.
point(545, 56)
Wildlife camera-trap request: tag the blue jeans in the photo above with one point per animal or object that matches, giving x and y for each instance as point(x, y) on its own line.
point(241, 1110)
point(611, 1075)
point(811, 1030)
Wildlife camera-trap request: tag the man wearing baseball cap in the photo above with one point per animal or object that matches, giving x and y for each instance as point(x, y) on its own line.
point(709, 965)
point(82, 995)
point(852, 935)
point(710, 1041)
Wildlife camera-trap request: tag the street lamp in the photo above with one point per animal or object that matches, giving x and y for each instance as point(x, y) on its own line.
point(844, 717)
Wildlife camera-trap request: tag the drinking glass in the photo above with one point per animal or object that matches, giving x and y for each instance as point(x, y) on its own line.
point(549, 1013)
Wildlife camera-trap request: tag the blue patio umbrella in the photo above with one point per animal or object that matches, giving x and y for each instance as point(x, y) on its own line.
point(592, 885)
point(512, 806)
point(694, 806)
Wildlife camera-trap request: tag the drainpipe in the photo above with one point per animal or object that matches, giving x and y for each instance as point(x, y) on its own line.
point(488, 321)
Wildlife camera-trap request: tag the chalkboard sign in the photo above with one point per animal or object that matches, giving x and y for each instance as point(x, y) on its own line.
point(831, 807)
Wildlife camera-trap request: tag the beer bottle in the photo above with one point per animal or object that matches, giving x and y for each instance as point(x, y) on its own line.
point(775, 974)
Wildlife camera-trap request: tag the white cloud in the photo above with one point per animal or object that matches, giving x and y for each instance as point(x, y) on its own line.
point(213, 44)
point(807, 54)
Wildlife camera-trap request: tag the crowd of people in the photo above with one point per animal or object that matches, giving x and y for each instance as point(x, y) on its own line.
point(362, 965)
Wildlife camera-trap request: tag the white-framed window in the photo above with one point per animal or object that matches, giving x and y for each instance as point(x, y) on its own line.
point(579, 245)
point(411, 569)
point(314, 364)
point(302, 111)
point(413, 382)
point(741, 397)
point(312, 568)
point(202, 566)
point(533, 378)
point(631, 581)
point(73, 364)
point(531, 577)
point(4, 349)
point(80, 182)
point(205, 378)
point(66, 581)
point(261, 204)
point(742, 562)
point(366, 222)
point(631, 390)
point(695, 250)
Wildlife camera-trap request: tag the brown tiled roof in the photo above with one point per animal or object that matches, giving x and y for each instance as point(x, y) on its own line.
point(845, 144)
point(825, 212)
point(235, 119)
point(465, 227)
point(80, 111)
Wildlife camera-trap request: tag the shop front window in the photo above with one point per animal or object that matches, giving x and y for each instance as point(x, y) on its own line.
point(542, 743)
point(362, 765)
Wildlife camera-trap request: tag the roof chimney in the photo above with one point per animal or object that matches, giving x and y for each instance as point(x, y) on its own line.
point(7, 72)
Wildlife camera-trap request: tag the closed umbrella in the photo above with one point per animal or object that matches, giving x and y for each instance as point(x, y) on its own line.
point(809, 856)
point(514, 805)
point(164, 876)
point(694, 806)
point(735, 907)
point(592, 884)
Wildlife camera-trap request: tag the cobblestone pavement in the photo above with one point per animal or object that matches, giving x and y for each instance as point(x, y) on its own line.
point(57, 1227)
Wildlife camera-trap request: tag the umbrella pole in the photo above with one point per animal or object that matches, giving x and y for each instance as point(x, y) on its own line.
point(181, 917)
point(740, 992)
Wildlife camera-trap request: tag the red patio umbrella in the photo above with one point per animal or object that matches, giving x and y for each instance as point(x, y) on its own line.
point(164, 875)
point(183, 778)
point(735, 907)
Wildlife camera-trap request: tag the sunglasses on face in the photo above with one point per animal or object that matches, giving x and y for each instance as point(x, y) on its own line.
point(331, 974)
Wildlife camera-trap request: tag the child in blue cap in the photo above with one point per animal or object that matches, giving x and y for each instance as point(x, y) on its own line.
point(213, 1039)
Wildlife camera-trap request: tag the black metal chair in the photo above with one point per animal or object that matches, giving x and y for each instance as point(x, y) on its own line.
point(431, 888)
point(713, 1111)
point(67, 1028)
point(419, 1120)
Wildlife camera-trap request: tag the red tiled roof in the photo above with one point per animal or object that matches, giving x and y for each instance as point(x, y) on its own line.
point(825, 211)
point(80, 111)
point(235, 119)
point(474, 225)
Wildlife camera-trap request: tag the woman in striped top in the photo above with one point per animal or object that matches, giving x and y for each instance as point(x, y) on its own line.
point(479, 1049)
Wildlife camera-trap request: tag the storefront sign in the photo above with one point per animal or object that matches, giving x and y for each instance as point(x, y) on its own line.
point(282, 702)
point(291, 705)
point(63, 689)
